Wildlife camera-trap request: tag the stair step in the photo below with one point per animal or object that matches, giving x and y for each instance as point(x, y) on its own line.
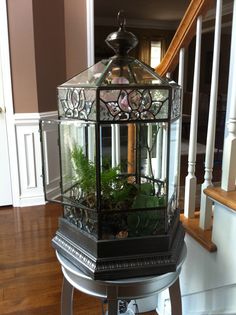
point(203, 237)
point(226, 198)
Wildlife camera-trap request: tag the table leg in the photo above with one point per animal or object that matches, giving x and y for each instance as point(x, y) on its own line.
point(67, 298)
point(175, 298)
point(112, 301)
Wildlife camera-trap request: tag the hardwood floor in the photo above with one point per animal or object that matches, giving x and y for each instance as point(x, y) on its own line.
point(30, 276)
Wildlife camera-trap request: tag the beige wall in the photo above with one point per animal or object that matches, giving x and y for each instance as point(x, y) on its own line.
point(76, 36)
point(48, 44)
point(22, 53)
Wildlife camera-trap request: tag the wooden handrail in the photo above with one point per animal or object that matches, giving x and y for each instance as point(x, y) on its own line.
point(183, 35)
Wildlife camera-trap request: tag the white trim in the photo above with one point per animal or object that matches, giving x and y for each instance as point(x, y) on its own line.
point(206, 204)
point(29, 118)
point(191, 181)
point(7, 88)
point(29, 163)
point(229, 152)
point(90, 32)
point(181, 83)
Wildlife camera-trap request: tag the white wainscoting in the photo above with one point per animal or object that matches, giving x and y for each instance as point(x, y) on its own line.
point(29, 156)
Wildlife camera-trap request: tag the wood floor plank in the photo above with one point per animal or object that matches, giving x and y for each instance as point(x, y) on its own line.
point(30, 275)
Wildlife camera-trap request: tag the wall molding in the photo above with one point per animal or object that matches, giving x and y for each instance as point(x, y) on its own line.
point(25, 118)
point(29, 154)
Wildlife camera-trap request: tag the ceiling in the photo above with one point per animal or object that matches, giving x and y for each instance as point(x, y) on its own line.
point(162, 14)
point(137, 11)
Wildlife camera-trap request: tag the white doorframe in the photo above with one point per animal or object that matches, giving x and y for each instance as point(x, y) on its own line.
point(7, 90)
point(90, 32)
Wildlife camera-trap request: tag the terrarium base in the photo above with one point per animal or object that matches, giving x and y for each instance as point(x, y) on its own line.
point(112, 268)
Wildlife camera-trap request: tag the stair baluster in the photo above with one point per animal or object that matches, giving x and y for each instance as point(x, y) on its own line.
point(190, 181)
point(229, 155)
point(181, 83)
point(206, 203)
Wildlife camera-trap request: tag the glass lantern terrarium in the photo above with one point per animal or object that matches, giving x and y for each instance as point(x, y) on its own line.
point(119, 152)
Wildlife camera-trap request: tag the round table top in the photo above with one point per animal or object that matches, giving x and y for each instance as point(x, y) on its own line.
point(130, 288)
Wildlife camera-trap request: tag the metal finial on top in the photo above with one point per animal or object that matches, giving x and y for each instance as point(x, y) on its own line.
point(121, 41)
point(121, 19)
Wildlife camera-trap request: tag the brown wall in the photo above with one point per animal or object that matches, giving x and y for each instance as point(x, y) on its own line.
point(21, 33)
point(48, 44)
point(49, 38)
point(76, 37)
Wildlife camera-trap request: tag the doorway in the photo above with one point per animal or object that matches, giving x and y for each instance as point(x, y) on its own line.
point(5, 177)
point(6, 197)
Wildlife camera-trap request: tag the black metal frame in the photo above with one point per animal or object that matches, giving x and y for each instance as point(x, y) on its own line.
point(112, 259)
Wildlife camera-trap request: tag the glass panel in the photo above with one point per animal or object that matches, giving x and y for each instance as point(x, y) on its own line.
point(84, 219)
point(174, 160)
point(119, 75)
point(114, 178)
point(176, 102)
point(50, 159)
point(77, 103)
point(151, 167)
point(145, 74)
point(128, 167)
point(78, 174)
point(75, 184)
point(134, 104)
point(131, 71)
point(77, 163)
point(120, 225)
point(89, 77)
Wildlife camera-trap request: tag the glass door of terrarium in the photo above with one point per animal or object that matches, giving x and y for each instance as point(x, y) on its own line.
point(174, 156)
point(76, 148)
point(133, 192)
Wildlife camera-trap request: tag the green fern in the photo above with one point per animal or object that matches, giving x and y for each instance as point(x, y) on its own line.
point(111, 183)
point(85, 171)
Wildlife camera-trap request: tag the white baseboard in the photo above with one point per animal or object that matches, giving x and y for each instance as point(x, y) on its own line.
point(29, 154)
point(31, 201)
point(215, 301)
point(220, 312)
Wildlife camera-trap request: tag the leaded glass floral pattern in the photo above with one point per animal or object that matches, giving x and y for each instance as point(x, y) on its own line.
point(78, 103)
point(133, 104)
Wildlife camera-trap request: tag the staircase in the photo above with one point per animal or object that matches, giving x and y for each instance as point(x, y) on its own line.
point(208, 279)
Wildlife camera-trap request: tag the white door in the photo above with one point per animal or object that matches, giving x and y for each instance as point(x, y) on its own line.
point(5, 178)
